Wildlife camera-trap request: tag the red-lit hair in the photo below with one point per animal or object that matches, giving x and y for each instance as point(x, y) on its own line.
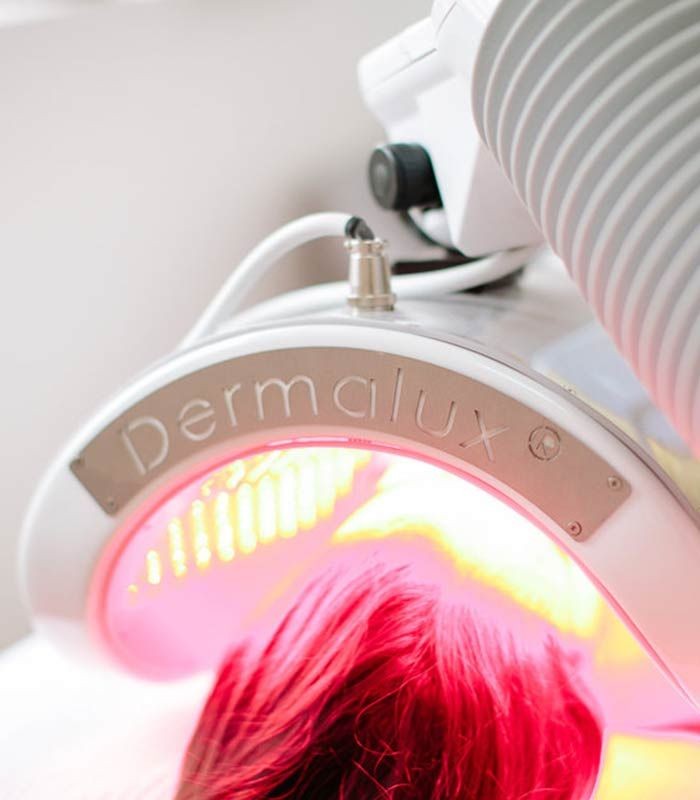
point(377, 685)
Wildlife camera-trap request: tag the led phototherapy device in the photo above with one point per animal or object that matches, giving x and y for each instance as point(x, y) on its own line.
point(219, 473)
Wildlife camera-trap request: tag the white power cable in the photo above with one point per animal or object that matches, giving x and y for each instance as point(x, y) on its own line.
point(258, 262)
point(459, 278)
point(262, 258)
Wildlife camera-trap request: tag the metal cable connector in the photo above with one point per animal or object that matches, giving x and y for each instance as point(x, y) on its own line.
point(369, 275)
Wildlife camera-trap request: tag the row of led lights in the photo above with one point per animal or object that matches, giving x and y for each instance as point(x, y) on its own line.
point(253, 502)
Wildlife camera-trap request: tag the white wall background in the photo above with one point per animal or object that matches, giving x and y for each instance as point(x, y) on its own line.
point(143, 149)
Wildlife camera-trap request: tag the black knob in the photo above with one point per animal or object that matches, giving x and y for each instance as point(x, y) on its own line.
point(401, 177)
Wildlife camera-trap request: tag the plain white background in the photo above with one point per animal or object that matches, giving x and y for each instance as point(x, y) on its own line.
point(144, 148)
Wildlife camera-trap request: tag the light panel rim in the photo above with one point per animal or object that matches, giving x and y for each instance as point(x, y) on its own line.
point(360, 334)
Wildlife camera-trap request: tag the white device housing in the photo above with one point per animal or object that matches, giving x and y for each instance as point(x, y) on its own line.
point(591, 112)
point(412, 85)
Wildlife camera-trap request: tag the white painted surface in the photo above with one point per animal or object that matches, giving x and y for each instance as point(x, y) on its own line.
point(101, 736)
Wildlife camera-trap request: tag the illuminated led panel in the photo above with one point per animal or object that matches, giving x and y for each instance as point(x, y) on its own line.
point(486, 540)
point(499, 559)
point(219, 559)
point(205, 564)
point(251, 502)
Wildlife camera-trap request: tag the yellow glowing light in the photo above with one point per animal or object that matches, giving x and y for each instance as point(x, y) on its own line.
point(648, 769)
point(276, 494)
point(266, 464)
point(234, 474)
point(201, 543)
point(266, 509)
point(176, 543)
point(245, 519)
point(287, 500)
point(616, 645)
point(344, 471)
point(254, 501)
point(154, 568)
point(225, 547)
point(325, 483)
point(307, 501)
point(485, 540)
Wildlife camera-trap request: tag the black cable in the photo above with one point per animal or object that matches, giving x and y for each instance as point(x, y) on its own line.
point(357, 228)
point(407, 219)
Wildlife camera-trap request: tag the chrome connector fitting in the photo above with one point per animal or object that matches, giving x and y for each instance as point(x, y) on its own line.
point(369, 275)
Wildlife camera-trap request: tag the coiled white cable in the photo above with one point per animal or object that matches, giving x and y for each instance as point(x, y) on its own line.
point(230, 298)
point(594, 114)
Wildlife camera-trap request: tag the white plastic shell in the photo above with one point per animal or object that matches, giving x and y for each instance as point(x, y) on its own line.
point(418, 95)
point(593, 112)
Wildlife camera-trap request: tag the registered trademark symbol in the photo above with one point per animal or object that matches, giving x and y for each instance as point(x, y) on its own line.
point(545, 443)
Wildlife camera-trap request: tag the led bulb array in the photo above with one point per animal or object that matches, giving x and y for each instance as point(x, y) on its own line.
point(248, 503)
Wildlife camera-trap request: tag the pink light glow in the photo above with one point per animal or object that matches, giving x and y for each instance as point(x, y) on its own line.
point(191, 574)
point(205, 562)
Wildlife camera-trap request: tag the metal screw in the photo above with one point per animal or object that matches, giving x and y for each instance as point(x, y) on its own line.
point(614, 483)
point(575, 528)
point(111, 503)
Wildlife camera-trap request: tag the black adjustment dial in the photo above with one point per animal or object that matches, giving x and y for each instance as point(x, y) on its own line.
point(401, 177)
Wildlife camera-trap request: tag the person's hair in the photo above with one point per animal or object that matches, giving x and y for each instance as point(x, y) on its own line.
point(376, 685)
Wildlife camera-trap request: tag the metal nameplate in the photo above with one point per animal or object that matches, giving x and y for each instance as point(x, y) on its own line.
point(367, 395)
